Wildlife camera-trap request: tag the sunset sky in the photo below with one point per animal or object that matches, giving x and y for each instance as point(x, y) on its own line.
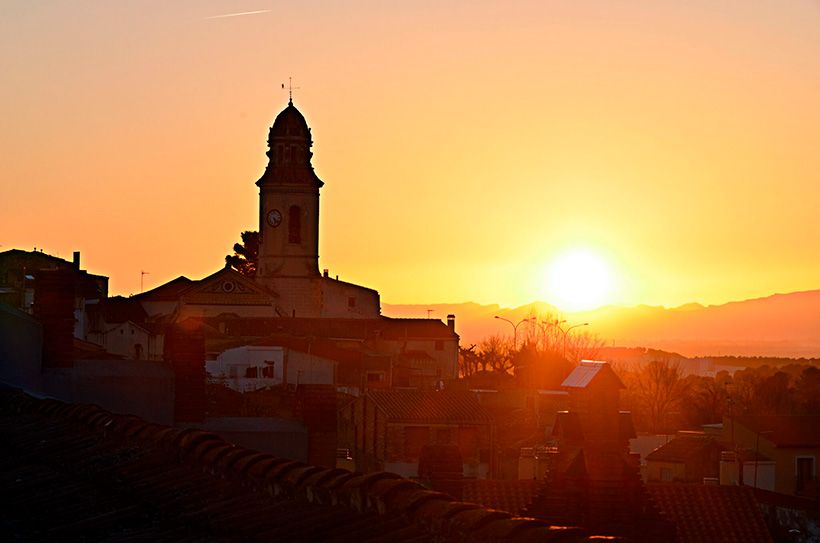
point(466, 147)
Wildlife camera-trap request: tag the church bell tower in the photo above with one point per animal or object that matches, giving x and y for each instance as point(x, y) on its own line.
point(289, 202)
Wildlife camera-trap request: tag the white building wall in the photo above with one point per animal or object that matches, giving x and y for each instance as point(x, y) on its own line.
point(294, 367)
point(231, 367)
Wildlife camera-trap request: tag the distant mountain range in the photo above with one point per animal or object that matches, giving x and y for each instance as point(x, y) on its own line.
point(785, 325)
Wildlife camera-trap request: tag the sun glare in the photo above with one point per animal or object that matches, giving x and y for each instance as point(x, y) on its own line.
point(578, 279)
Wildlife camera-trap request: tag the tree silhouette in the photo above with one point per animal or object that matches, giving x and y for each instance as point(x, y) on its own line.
point(246, 254)
point(660, 389)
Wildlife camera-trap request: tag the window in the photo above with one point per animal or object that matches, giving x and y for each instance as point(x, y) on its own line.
point(351, 302)
point(252, 372)
point(295, 224)
point(375, 377)
point(666, 474)
point(267, 369)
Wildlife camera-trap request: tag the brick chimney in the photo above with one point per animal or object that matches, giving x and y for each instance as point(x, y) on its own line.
point(184, 349)
point(451, 322)
point(54, 308)
point(316, 406)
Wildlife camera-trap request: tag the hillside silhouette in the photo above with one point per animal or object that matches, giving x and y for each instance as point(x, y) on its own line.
point(786, 325)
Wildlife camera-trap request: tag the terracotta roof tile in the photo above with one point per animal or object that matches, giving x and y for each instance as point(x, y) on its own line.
point(430, 406)
point(684, 448)
point(512, 496)
point(711, 513)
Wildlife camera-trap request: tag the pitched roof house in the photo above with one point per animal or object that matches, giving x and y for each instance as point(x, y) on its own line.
point(790, 443)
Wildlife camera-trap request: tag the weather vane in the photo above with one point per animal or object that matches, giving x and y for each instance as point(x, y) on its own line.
point(290, 90)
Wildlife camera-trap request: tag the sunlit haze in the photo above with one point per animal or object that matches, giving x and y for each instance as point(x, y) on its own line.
point(467, 148)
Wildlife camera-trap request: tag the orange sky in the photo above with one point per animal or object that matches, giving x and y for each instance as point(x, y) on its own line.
point(462, 146)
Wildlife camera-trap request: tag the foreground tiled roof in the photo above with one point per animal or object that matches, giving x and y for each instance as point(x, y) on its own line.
point(509, 495)
point(430, 406)
point(711, 513)
point(77, 472)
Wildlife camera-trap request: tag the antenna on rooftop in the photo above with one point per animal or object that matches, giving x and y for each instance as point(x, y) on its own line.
point(142, 275)
point(291, 88)
point(429, 311)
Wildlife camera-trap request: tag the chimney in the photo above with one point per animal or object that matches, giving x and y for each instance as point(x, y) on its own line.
point(77, 259)
point(451, 322)
point(316, 406)
point(326, 273)
point(54, 308)
point(184, 350)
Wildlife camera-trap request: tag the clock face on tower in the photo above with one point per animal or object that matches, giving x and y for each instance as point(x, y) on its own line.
point(274, 217)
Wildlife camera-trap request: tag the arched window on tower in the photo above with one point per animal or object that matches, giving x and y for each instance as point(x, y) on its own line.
point(295, 224)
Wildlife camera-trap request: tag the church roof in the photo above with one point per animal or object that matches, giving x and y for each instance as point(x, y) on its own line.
point(226, 286)
point(289, 142)
point(290, 123)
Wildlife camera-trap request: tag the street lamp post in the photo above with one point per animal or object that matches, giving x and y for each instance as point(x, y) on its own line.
point(515, 328)
point(564, 351)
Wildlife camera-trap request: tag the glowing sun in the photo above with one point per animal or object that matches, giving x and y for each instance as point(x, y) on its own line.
point(578, 279)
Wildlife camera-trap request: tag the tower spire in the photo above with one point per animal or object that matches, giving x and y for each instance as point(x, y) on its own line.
point(290, 90)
